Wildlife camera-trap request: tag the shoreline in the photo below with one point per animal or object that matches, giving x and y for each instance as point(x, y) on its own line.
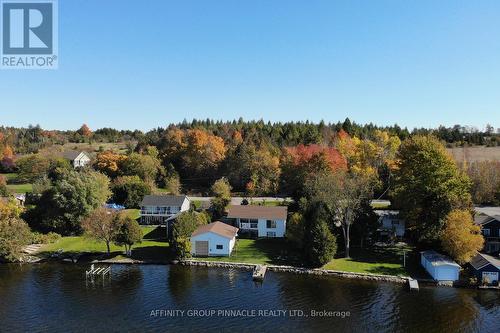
point(274, 268)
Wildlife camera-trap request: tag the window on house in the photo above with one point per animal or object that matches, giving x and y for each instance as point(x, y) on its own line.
point(271, 224)
point(254, 224)
point(219, 247)
point(271, 234)
point(486, 232)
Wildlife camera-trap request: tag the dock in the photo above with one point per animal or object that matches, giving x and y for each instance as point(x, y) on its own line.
point(99, 271)
point(259, 272)
point(413, 284)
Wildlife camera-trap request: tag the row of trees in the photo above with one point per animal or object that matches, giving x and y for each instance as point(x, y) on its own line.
point(34, 138)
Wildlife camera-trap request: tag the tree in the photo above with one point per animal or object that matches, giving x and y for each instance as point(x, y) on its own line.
point(129, 234)
point(485, 177)
point(129, 191)
point(103, 225)
point(85, 131)
point(303, 162)
point(32, 167)
point(428, 186)
point(72, 196)
point(461, 237)
point(4, 191)
point(295, 229)
point(143, 166)
point(185, 224)
point(110, 163)
point(343, 195)
point(202, 151)
point(221, 191)
point(14, 232)
point(320, 244)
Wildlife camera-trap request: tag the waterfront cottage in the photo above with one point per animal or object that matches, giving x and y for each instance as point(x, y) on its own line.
point(76, 158)
point(159, 209)
point(439, 266)
point(486, 268)
point(489, 220)
point(214, 239)
point(259, 221)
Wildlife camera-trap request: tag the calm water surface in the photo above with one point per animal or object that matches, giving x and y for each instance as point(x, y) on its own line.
point(56, 298)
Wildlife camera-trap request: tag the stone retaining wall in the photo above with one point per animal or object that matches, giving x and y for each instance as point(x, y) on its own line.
point(298, 270)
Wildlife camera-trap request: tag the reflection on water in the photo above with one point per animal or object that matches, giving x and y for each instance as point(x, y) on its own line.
point(55, 297)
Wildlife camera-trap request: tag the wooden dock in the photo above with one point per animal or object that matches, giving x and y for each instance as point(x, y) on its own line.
point(259, 272)
point(413, 284)
point(100, 271)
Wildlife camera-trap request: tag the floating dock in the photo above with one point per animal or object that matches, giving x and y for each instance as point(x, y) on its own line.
point(259, 272)
point(413, 284)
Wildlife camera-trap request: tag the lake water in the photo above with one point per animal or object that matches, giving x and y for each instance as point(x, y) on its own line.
point(56, 298)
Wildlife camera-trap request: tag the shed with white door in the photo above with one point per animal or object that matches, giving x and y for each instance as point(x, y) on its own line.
point(439, 266)
point(214, 239)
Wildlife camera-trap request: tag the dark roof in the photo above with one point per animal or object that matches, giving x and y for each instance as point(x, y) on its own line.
point(481, 219)
point(163, 200)
point(219, 228)
point(71, 154)
point(257, 212)
point(492, 212)
point(480, 260)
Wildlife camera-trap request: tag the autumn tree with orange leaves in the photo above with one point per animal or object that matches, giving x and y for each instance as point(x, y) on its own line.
point(301, 162)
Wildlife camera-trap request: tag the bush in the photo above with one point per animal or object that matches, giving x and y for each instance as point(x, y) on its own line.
point(50, 238)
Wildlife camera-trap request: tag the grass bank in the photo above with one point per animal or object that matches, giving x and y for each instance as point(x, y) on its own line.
point(379, 260)
point(153, 247)
point(261, 251)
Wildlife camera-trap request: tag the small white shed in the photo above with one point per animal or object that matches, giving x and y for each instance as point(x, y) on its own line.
point(214, 239)
point(439, 266)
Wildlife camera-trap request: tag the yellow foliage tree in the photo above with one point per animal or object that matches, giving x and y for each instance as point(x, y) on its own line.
point(109, 163)
point(460, 237)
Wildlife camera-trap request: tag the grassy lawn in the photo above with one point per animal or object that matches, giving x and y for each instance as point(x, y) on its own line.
point(260, 251)
point(132, 213)
point(14, 186)
point(20, 188)
point(379, 260)
point(153, 246)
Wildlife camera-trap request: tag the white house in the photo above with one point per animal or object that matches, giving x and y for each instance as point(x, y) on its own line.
point(76, 158)
point(214, 239)
point(261, 221)
point(439, 266)
point(158, 209)
point(390, 223)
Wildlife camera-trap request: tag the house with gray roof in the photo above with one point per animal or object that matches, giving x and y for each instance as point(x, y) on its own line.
point(78, 159)
point(159, 209)
point(486, 268)
point(489, 220)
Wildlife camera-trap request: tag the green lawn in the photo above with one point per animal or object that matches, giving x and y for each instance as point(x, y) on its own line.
point(260, 251)
point(20, 188)
point(153, 246)
point(14, 186)
point(132, 213)
point(379, 260)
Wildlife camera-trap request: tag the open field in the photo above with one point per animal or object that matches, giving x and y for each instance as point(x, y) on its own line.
point(94, 147)
point(472, 154)
point(379, 260)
